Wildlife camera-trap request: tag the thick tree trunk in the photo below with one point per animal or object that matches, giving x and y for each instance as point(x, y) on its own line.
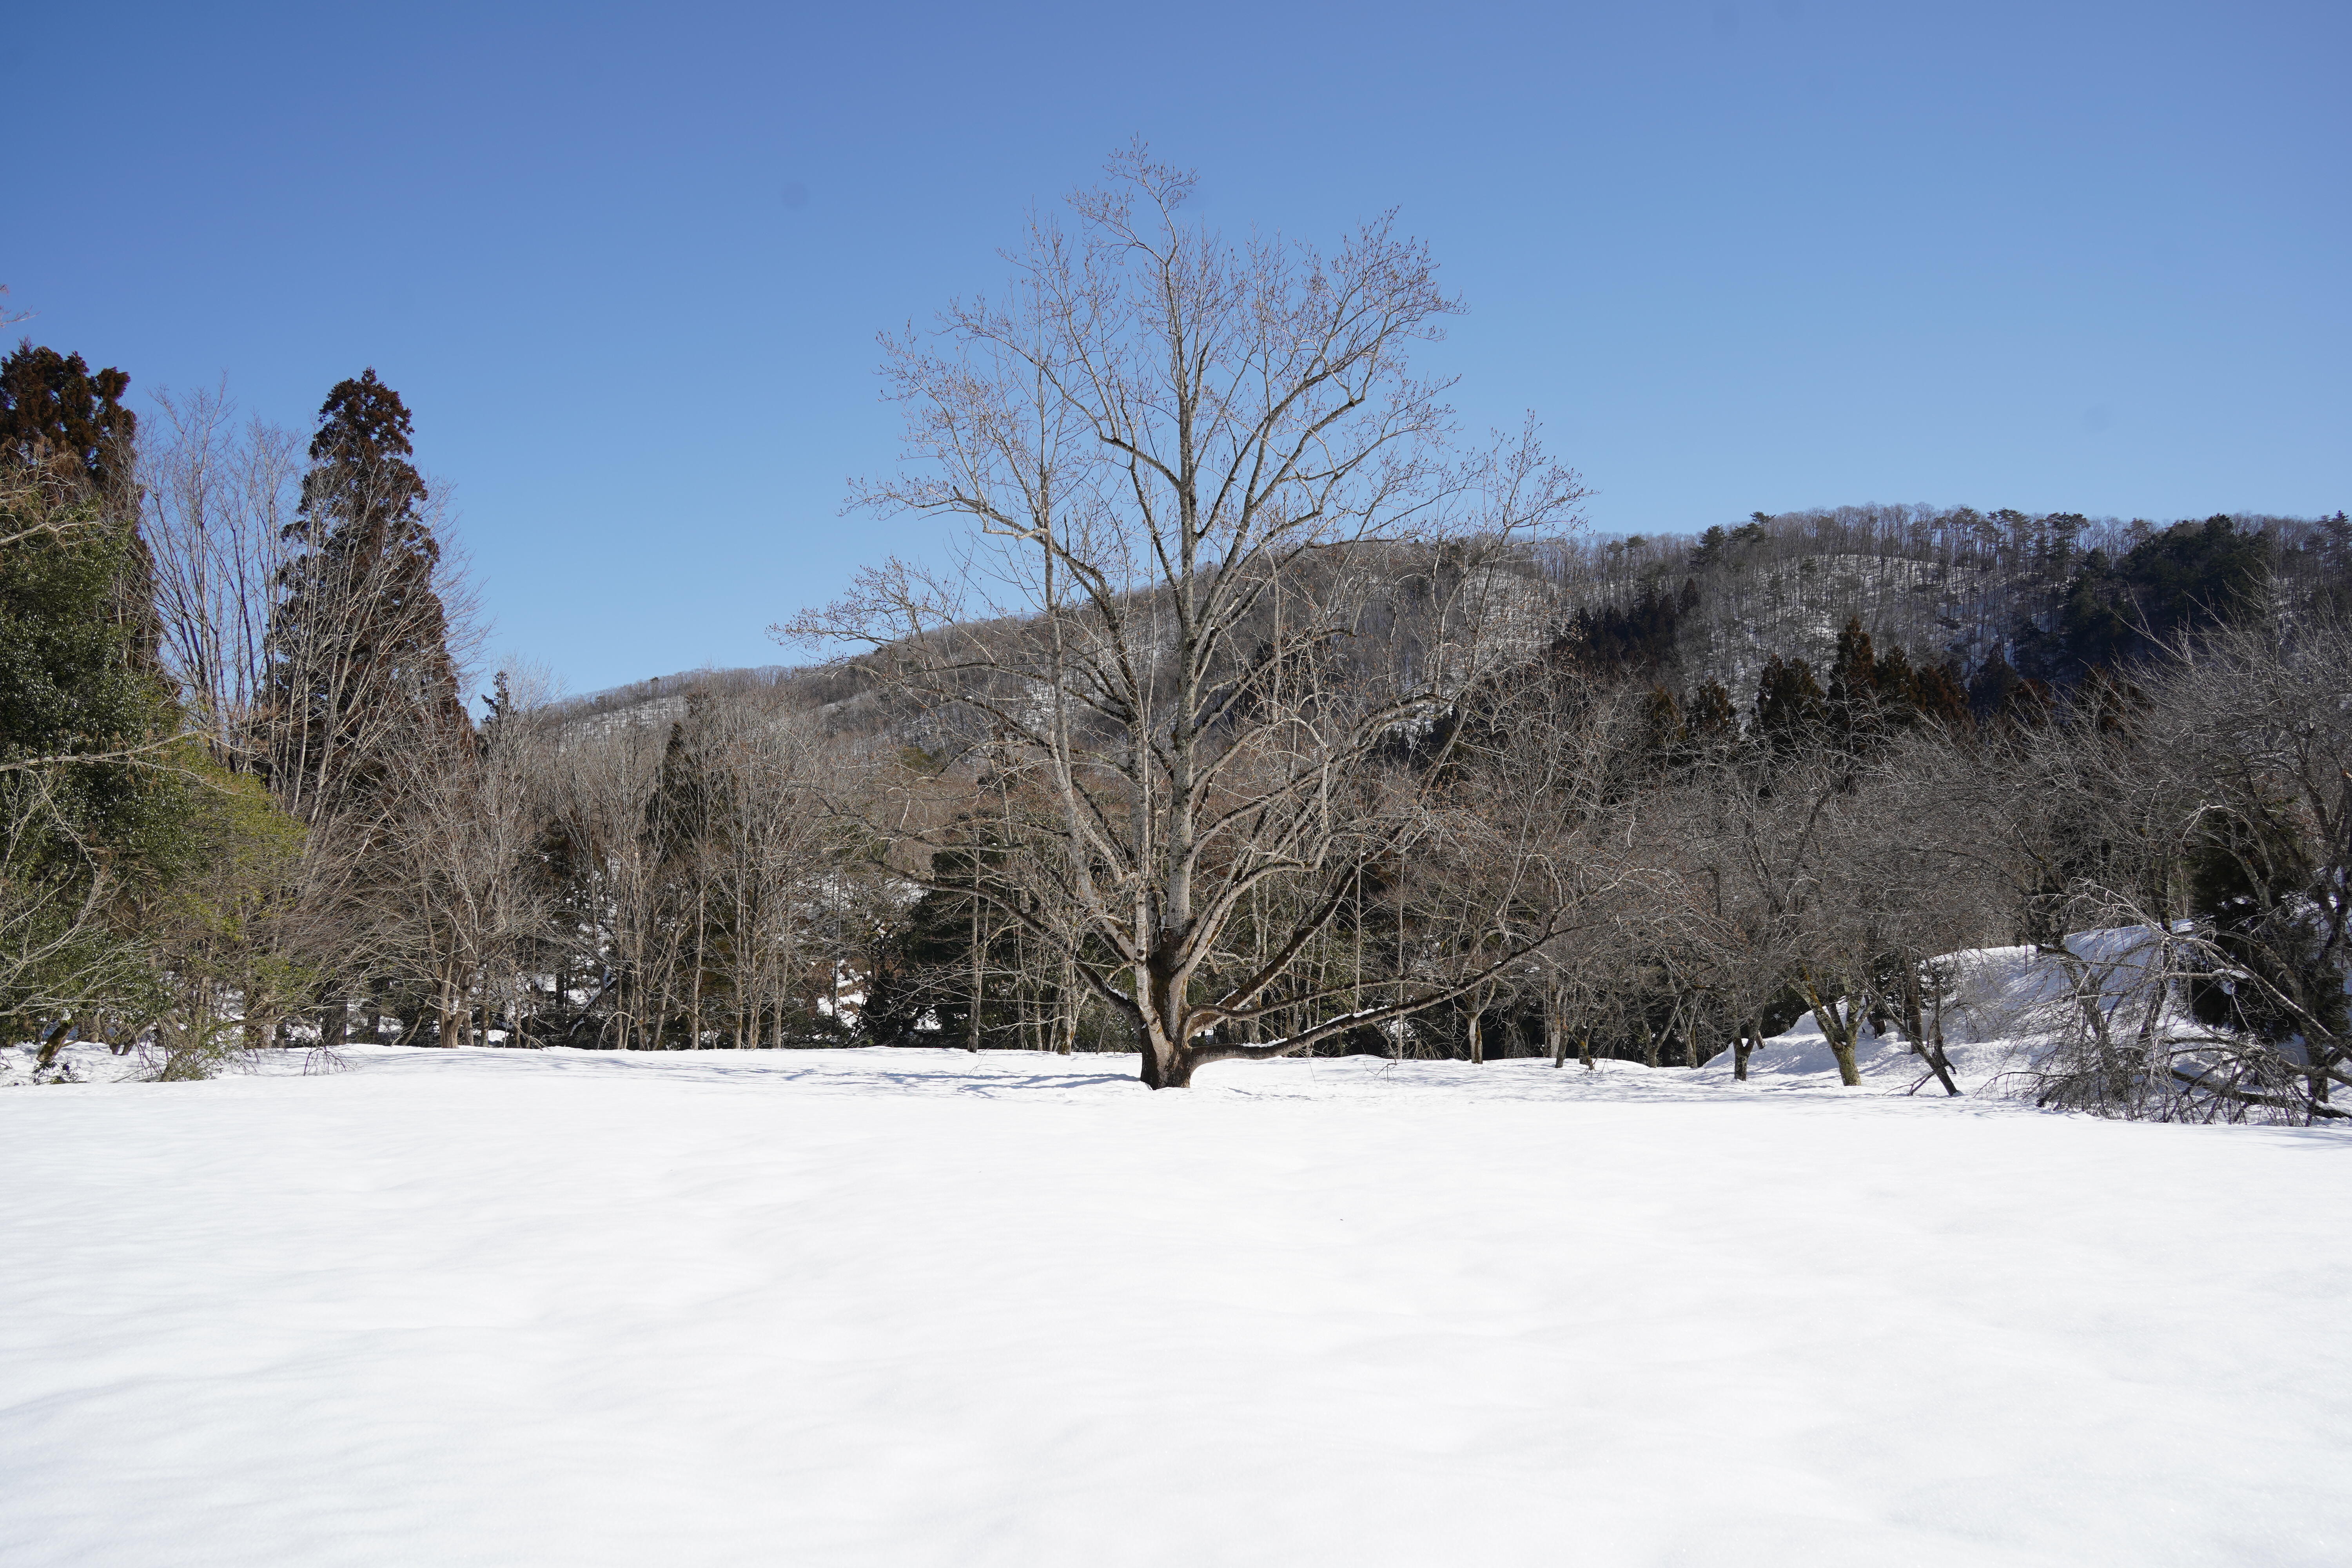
point(1167, 1055)
point(1167, 1069)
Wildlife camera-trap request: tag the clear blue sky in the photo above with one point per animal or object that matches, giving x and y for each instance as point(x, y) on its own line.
point(626, 263)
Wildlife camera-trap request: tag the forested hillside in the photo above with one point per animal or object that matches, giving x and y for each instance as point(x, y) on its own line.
point(1992, 597)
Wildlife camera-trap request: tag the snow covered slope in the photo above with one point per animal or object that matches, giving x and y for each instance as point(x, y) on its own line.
point(915, 1308)
point(2004, 1005)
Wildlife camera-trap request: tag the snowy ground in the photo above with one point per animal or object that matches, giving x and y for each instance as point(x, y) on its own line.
point(918, 1308)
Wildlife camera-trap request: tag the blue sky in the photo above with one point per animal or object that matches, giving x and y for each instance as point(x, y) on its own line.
point(628, 263)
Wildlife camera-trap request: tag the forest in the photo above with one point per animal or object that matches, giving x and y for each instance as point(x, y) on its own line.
point(1263, 716)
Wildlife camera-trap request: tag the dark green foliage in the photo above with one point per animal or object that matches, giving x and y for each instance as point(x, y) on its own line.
point(63, 426)
point(2190, 576)
point(1866, 692)
point(921, 981)
point(74, 679)
point(1638, 637)
point(2333, 553)
point(687, 795)
point(1717, 546)
point(77, 838)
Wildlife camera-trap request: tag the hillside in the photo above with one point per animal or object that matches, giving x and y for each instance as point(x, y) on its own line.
point(1996, 596)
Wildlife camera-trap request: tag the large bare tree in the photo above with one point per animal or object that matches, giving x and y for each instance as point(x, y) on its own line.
point(1226, 575)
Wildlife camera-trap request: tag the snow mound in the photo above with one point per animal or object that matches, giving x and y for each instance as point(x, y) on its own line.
point(2002, 1008)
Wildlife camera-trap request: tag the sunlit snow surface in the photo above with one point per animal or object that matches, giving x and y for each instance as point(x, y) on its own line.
point(918, 1308)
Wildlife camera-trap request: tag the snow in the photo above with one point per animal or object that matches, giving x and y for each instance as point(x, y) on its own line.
point(916, 1308)
point(2005, 1006)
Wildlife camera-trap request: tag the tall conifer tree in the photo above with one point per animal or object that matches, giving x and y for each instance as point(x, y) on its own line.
point(360, 664)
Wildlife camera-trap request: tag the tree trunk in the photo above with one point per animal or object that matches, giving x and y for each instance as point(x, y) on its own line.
point(1839, 1031)
point(974, 1041)
point(694, 1007)
point(1914, 1029)
point(1167, 1055)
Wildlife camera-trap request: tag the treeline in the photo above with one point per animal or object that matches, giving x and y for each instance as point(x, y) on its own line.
point(1687, 790)
point(248, 807)
point(1748, 853)
point(1813, 849)
point(229, 680)
point(1994, 596)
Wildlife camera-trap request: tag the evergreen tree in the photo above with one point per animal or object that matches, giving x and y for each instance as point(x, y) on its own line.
point(77, 674)
point(2189, 577)
point(76, 681)
point(1709, 714)
point(64, 426)
point(359, 652)
point(55, 410)
point(1791, 712)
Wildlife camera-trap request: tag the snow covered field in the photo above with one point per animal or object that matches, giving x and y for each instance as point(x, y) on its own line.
point(918, 1308)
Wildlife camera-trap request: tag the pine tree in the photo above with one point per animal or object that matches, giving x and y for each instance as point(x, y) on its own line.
point(360, 664)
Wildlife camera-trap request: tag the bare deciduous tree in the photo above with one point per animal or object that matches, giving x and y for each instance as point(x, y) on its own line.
point(1224, 561)
point(217, 499)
